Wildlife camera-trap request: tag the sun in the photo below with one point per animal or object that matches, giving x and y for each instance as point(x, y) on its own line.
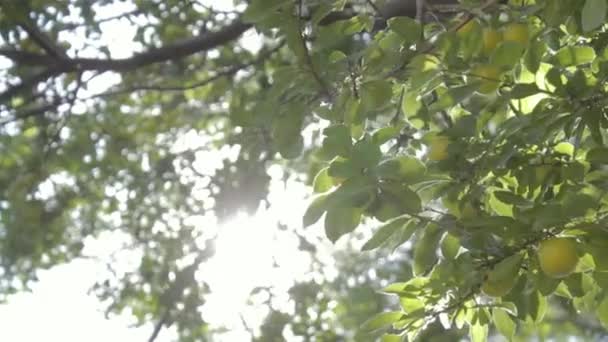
point(250, 252)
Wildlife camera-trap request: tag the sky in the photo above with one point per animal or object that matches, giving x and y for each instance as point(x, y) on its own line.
point(59, 307)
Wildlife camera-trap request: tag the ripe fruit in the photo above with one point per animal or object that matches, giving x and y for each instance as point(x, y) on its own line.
point(489, 75)
point(438, 149)
point(558, 257)
point(491, 38)
point(516, 33)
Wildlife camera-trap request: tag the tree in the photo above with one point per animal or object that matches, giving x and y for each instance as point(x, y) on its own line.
point(472, 130)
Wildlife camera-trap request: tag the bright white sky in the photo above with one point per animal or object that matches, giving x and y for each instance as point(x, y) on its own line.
point(59, 307)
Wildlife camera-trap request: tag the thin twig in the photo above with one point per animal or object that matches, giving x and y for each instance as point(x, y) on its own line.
point(159, 325)
point(353, 79)
point(399, 107)
point(419, 10)
point(42, 40)
point(308, 59)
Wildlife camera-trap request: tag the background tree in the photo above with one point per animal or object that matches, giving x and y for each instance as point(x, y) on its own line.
point(472, 132)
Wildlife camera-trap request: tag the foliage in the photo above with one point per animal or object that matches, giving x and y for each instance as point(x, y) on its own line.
point(471, 151)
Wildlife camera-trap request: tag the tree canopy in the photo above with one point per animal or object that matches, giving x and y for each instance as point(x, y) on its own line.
point(458, 146)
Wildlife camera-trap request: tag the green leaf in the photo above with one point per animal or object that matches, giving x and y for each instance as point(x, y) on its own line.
point(508, 54)
point(523, 90)
point(406, 27)
point(500, 207)
point(405, 169)
point(564, 148)
point(598, 155)
point(315, 210)
point(337, 141)
point(259, 10)
point(353, 192)
point(575, 204)
point(574, 55)
point(450, 245)
point(602, 312)
point(322, 182)
point(503, 322)
point(410, 200)
point(375, 94)
point(534, 55)
point(453, 96)
point(601, 279)
point(325, 8)
point(593, 14)
point(507, 269)
point(478, 332)
point(366, 153)
point(425, 254)
point(342, 168)
point(382, 320)
point(340, 221)
point(510, 198)
point(384, 232)
point(538, 306)
point(286, 134)
point(385, 134)
point(574, 282)
point(545, 284)
point(402, 235)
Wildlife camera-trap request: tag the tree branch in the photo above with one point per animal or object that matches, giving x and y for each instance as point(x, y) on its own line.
point(169, 52)
point(159, 325)
point(30, 82)
point(324, 88)
point(26, 58)
point(42, 40)
point(224, 73)
point(175, 51)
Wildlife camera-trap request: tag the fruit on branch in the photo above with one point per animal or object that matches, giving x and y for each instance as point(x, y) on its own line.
point(558, 257)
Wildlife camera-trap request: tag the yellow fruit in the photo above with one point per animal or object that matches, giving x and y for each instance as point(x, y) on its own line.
point(558, 257)
point(516, 33)
point(489, 75)
point(491, 38)
point(497, 288)
point(438, 149)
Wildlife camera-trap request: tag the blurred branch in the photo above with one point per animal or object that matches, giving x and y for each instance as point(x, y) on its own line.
point(175, 51)
point(42, 40)
point(159, 325)
point(26, 58)
point(224, 73)
point(308, 60)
